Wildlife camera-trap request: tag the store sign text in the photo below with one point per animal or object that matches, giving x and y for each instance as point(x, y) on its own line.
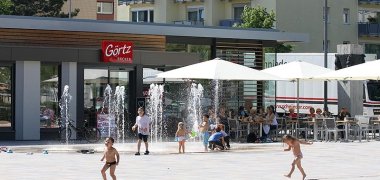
point(118, 52)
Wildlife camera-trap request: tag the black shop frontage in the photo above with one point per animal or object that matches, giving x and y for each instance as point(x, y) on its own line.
point(39, 56)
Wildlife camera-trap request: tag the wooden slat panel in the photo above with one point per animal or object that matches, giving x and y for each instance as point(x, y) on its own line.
point(77, 39)
point(249, 91)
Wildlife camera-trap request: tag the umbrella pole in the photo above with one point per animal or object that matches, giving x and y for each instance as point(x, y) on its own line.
point(298, 97)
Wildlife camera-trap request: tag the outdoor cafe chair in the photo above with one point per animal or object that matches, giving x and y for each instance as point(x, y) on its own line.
point(330, 127)
point(374, 125)
point(280, 130)
point(236, 128)
point(320, 122)
point(363, 126)
point(291, 126)
point(303, 127)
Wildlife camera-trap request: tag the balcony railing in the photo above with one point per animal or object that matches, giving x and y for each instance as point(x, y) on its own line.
point(229, 22)
point(369, 1)
point(191, 23)
point(138, 1)
point(369, 29)
point(184, 1)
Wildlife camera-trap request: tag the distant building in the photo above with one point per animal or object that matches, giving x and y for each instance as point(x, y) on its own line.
point(304, 16)
point(91, 9)
point(369, 25)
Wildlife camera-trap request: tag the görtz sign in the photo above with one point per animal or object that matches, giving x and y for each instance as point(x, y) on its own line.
point(117, 51)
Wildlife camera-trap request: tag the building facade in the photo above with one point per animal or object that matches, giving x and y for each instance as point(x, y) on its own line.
point(39, 56)
point(91, 9)
point(307, 16)
point(304, 16)
point(369, 25)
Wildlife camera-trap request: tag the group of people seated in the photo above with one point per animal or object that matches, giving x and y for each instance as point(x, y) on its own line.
point(257, 116)
point(312, 113)
point(219, 129)
point(318, 114)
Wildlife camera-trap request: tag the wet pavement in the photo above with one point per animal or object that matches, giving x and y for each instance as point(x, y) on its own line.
point(244, 161)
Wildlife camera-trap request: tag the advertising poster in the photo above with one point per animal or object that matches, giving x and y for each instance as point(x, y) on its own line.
point(104, 123)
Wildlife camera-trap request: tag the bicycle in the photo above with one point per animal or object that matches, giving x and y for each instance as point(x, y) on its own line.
point(91, 134)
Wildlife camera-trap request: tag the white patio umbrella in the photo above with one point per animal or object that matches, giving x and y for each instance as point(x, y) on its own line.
point(218, 69)
point(296, 71)
point(149, 76)
point(366, 71)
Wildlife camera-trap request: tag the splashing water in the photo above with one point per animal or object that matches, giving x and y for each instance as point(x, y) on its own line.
point(116, 110)
point(64, 106)
point(119, 112)
point(108, 108)
point(122, 97)
point(154, 109)
point(194, 108)
point(216, 98)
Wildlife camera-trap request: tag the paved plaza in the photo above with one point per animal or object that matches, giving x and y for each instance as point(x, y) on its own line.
point(245, 161)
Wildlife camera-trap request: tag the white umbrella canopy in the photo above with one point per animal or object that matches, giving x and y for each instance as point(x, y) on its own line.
point(218, 69)
point(149, 76)
point(296, 71)
point(366, 71)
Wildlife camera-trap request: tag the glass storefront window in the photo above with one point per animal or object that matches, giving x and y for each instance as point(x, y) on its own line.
point(49, 96)
point(95, 83)
point(5, 96)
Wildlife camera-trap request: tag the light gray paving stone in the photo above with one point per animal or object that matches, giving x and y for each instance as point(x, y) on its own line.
point(246, 161)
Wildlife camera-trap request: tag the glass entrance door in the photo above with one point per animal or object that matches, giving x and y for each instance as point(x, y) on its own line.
point(95, 83)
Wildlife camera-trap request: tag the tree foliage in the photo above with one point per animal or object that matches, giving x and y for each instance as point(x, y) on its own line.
point(42, 8)
point(5, 6)
point(280, 48)
point(259, 17)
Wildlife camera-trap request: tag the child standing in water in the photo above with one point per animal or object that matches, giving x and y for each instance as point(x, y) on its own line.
point(294, 144)
point(181, 136)
point(112, 158)
point(203, 129)
point(142, 124)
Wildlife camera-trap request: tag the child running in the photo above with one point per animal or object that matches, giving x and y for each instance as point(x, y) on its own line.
point(112, 158)
point(181, 136)
point(203, 129)
point(294, 144)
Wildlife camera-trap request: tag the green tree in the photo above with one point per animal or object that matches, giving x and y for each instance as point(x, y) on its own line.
point(259, 17)
point(5, 6)
point(43, 8)
point(280, 48)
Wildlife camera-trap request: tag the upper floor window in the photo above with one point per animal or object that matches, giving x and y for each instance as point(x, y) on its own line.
point(346, 16)
point(195, 14)
point(143, 16)
point(105, 7)
point(238, 10)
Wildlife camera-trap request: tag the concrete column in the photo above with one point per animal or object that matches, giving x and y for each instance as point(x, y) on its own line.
point(167, 12)
point(212, 10)
point(69, 77)
point(27, 100)
point(350, 96)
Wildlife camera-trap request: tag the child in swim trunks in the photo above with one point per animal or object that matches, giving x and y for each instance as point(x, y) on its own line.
point(181, 136)
point(294, 144)
point(112, 158)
